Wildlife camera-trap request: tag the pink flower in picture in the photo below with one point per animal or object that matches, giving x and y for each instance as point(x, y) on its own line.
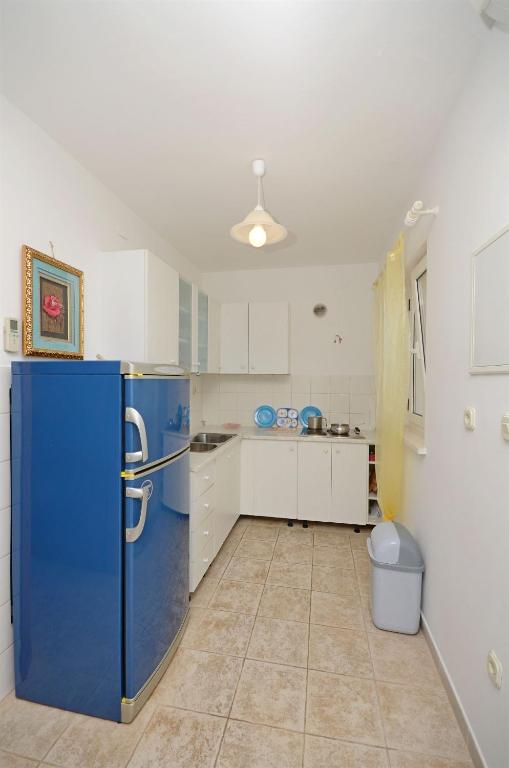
point(52, 305)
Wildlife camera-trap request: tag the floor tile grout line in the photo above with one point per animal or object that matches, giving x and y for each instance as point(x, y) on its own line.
point(126, 765)
point(307, 660)
point(377, 693)
point(243, 664)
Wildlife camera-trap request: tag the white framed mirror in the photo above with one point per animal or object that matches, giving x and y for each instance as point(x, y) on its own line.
point(489, 347)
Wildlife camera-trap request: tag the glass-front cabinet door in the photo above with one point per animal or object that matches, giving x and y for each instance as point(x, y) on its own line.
point(203, 332)
point(185, 324)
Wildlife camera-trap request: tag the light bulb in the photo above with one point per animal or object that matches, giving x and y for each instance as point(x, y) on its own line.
point(257, 236)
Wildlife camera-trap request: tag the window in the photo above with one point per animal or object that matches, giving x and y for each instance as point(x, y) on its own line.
point(417, 304)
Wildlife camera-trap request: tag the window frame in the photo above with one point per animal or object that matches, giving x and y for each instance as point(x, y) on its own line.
point(418, 350)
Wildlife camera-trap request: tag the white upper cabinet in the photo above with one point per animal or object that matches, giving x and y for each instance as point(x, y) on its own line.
point(214, 336)
point(314, 481)
point(234, 338)
point(161, 310)
point(202, 332)
point(185, 324)
point(140, 308)
point(268, 337)
point(349, 484)
point(254, 337)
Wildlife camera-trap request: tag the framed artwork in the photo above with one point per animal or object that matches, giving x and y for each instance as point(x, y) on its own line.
point(52, 307)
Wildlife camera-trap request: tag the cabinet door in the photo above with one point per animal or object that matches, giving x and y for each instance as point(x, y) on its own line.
point(202, 322)
point(161, 313)
point(185, 324)
point(118, 332)
point(268, 337)
point(234, 338)
point(214, 331)
point(227, 493)
point(275, 479)
point(349, 484)
point(314, 481)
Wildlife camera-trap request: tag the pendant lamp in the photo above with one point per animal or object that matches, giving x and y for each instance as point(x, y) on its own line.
point(258, 228)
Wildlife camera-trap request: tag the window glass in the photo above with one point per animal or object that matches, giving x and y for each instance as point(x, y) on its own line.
point(417, 378)
point(421, 296)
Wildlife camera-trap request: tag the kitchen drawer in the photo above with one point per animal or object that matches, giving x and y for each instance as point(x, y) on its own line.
point(198, 567)
point(202, 507)
point(202, 480)
point(201, 536)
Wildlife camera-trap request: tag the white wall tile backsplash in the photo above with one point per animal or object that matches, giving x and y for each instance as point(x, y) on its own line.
point(340, 398)
point(6, 648)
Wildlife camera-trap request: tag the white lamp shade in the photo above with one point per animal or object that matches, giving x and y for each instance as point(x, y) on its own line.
point(275, 232)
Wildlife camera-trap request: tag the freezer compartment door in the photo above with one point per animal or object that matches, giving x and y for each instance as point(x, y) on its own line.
point(156, 567)
point(156, 420)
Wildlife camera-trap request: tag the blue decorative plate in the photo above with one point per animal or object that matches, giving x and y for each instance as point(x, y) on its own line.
point(265, 416)
point(309, 410)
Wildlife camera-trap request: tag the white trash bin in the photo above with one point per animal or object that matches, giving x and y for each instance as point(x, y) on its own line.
point(396, 578)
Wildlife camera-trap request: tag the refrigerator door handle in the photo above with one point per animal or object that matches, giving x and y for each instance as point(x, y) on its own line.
point(134, 417)
point(143, 493)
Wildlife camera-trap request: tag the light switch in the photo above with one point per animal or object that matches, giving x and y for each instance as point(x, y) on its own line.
point(469, 418)
point(505, 426)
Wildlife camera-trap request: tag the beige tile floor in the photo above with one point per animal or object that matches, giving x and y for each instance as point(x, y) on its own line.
point(280, 667)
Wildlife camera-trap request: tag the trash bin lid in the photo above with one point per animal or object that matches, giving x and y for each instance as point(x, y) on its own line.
point(392, 544)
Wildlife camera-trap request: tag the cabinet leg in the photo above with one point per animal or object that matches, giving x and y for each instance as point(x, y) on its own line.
point(290, 523)
point(305, 524)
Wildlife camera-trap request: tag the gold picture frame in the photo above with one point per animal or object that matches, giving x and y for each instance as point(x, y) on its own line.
point(53, 307)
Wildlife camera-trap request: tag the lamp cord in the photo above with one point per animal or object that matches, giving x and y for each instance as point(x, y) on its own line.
point(260, 194)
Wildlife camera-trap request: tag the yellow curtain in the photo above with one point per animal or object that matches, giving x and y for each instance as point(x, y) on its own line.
point(392, 361)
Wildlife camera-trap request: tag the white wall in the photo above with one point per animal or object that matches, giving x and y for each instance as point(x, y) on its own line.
point(457, 496)
point(346, 290)
point(46, 195)
point(338, 378)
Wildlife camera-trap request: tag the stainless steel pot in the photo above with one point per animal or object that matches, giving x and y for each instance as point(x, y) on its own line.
point(317, 423)
point(340, 429)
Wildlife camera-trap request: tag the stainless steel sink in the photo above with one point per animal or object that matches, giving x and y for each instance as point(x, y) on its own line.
point(199, 447)
point(211, 437)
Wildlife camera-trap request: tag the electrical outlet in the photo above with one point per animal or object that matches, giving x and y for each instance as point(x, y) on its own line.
point(494, 666)
point(469, 418)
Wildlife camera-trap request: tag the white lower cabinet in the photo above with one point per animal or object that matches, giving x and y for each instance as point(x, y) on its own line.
point(318, 481)
point(269, 478)
point(350, 484)
point(227, 508)
point(314, 481)
point(215, 507)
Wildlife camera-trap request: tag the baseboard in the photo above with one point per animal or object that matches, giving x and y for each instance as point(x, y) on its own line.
point(463, 721)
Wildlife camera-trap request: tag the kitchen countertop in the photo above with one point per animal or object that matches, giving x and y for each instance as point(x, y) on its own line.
point(199, 460)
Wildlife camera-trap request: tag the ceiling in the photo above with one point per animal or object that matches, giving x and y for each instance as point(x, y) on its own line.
point(168, 102)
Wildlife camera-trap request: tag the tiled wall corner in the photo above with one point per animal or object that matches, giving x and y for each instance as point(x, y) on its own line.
point(6, 646)
point(341, 398)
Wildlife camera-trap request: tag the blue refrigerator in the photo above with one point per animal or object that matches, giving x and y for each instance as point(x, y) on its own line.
point(100, 531)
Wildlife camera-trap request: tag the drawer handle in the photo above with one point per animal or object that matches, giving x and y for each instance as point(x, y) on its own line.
point(326, 450)
point(206, 504)
point(206, 477)
point(205, 533)
point(205, 559)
